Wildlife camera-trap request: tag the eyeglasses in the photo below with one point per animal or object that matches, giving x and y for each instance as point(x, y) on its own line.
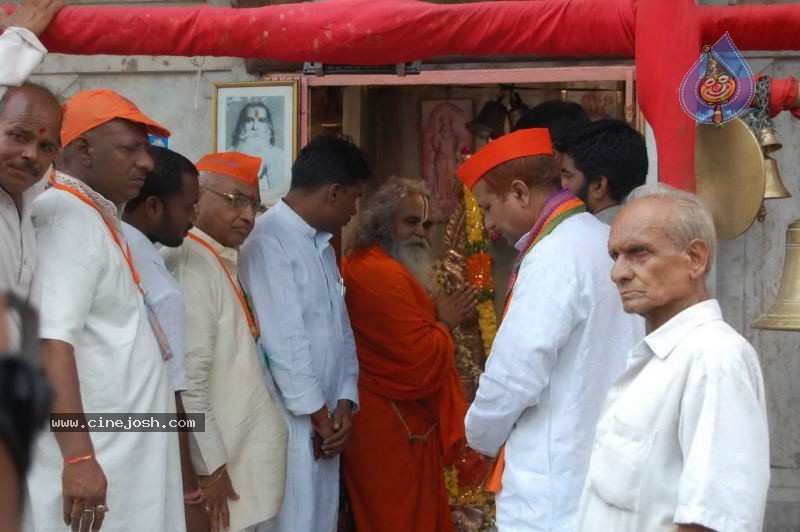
point(239, 201)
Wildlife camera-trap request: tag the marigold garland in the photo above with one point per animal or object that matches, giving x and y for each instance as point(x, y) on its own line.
point(469, 492)
point(479, 268)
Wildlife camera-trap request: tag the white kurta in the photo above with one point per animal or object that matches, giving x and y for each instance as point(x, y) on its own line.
point(20, 53)
point(290, 271)
point(165, 297)
point(244, 424)
point(559, 348)
point(88, 299)
point(683, 438)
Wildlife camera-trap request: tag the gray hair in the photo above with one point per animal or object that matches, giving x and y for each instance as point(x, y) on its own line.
point(691, 217)
point(376, 222)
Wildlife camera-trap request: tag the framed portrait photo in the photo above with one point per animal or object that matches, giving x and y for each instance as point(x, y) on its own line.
point(259, 119)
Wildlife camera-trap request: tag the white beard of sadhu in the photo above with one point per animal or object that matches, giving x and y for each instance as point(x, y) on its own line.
point(415, 254)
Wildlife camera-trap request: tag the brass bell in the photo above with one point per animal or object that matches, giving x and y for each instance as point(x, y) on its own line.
point(774, 188)
point(768, 140)
point(517, 107)
point(785, 314)
point(490, 122)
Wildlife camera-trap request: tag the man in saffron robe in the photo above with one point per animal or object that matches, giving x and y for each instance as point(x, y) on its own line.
point(412, 402)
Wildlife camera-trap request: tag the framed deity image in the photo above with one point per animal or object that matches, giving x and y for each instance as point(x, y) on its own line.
point(444, 140)
point(259, 119)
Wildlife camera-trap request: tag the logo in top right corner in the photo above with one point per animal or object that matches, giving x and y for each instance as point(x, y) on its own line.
point(719, 86)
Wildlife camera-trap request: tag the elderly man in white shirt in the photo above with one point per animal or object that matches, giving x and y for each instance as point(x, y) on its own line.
point(162, 214)
point(241, 455)
point(30, 122)
point(562, 340)
point(99, 350)
point(289, 267)
point(683, 443)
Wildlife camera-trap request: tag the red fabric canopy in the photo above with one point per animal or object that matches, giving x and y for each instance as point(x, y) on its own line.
point(665, 35)
point(362, 32)
point(369, 32)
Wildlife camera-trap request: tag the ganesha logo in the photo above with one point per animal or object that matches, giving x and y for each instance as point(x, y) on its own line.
point(719, 86)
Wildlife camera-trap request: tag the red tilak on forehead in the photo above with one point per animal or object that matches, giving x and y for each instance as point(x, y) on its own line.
point(42, 130)
point(258, 113)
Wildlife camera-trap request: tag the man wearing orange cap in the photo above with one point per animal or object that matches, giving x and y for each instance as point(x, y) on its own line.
point(99, 350)
point(241, 455)
point(562, 341)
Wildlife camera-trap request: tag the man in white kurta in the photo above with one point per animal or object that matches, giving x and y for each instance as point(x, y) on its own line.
point(20, 53)
point(91, 304)
point(560, 345)
point(683, 440)
point(89, 301)
point(289, 267)
point(245, 434)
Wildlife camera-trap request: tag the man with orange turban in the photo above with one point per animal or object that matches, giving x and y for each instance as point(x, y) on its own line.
point(99, 349)
point(562, 341)
point(241, 455)
point(412, 401)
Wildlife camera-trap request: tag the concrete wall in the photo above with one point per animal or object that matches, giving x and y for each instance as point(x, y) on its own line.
point(175, 91)
point(749, 273)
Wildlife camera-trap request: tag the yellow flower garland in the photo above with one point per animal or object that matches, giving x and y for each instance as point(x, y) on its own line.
point(479, 274)
point(477, 244)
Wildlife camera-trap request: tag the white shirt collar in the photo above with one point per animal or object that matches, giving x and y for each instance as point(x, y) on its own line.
point(107, 208)
point(321, 238)
point(230, 255)
point(138, 241)
point(664, 339)
point(520, 245)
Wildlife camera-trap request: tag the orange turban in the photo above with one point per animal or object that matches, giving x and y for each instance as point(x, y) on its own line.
point(522, 143)
point(233, 164)
point(89, 109)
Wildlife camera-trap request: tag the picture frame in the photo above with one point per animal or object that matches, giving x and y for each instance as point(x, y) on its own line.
point(445, 138)
point(259, 119)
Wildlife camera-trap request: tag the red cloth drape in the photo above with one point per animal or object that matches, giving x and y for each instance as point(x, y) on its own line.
point(662, 59)
point(363, 32)
point(666, 36)
point(783, 94)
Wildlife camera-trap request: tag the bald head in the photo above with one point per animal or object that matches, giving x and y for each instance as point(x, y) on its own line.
point(30, 127)
point(30, 88)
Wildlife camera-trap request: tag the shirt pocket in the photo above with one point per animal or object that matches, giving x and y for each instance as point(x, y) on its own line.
point(618, 464)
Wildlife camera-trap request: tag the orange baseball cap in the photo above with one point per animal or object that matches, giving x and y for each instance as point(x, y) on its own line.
point(521, 143)
point(233, 164)
point(89, 109)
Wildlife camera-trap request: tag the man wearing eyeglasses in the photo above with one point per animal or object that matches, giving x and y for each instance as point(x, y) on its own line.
point(241, 455)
